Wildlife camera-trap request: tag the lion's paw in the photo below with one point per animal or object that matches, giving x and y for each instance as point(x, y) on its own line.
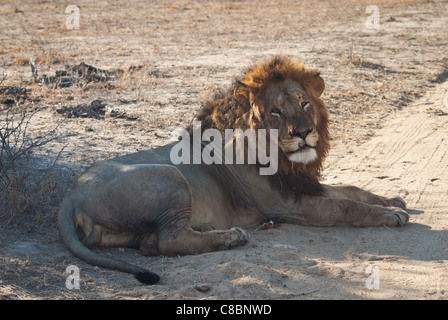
point(397, 202)
point(239, 237)
point(396, 217)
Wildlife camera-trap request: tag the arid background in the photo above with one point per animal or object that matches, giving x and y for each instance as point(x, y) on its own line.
point(155, 62)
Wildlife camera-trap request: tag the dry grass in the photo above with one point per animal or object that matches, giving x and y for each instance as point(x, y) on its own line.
point(41, 59)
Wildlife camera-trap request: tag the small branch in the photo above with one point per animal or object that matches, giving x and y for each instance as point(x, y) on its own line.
point(3, 77)
point(34, 70)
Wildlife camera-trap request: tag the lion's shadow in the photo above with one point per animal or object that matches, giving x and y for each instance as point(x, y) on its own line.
point(414, 211)
point(414, 241)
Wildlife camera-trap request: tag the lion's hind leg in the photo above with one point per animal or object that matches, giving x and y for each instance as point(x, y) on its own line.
point(181, 239)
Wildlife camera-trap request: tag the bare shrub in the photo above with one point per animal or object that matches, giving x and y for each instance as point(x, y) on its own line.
point(28, 185)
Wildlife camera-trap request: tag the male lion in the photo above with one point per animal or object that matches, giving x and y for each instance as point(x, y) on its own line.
point(143, 201)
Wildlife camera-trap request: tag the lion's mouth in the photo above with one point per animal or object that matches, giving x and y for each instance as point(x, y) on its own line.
point(302, 148)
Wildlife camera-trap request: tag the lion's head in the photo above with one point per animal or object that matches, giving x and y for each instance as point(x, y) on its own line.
point(277, 94)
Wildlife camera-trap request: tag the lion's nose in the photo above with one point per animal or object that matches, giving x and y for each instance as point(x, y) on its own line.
point(302, 134)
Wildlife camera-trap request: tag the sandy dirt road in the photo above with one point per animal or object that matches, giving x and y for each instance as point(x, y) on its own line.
point(408, 157)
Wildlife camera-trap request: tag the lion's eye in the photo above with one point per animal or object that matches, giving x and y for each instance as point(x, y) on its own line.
point(305, 105)
point(276, 112)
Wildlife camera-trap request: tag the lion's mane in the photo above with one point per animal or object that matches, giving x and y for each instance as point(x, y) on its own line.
point(231, 109)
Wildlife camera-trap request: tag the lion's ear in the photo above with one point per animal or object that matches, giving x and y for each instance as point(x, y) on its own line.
point(317, 84)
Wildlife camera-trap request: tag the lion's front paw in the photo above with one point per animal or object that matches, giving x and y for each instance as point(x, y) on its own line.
point(396, 217)
point(239, 237)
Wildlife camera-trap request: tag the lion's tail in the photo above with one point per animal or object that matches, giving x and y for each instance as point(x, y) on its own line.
point(68, 233)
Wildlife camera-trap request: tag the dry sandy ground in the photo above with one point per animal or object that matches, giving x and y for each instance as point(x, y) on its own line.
point(388, 102)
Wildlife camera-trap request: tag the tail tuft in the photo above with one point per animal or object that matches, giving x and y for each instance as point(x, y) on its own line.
point(147, 277)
